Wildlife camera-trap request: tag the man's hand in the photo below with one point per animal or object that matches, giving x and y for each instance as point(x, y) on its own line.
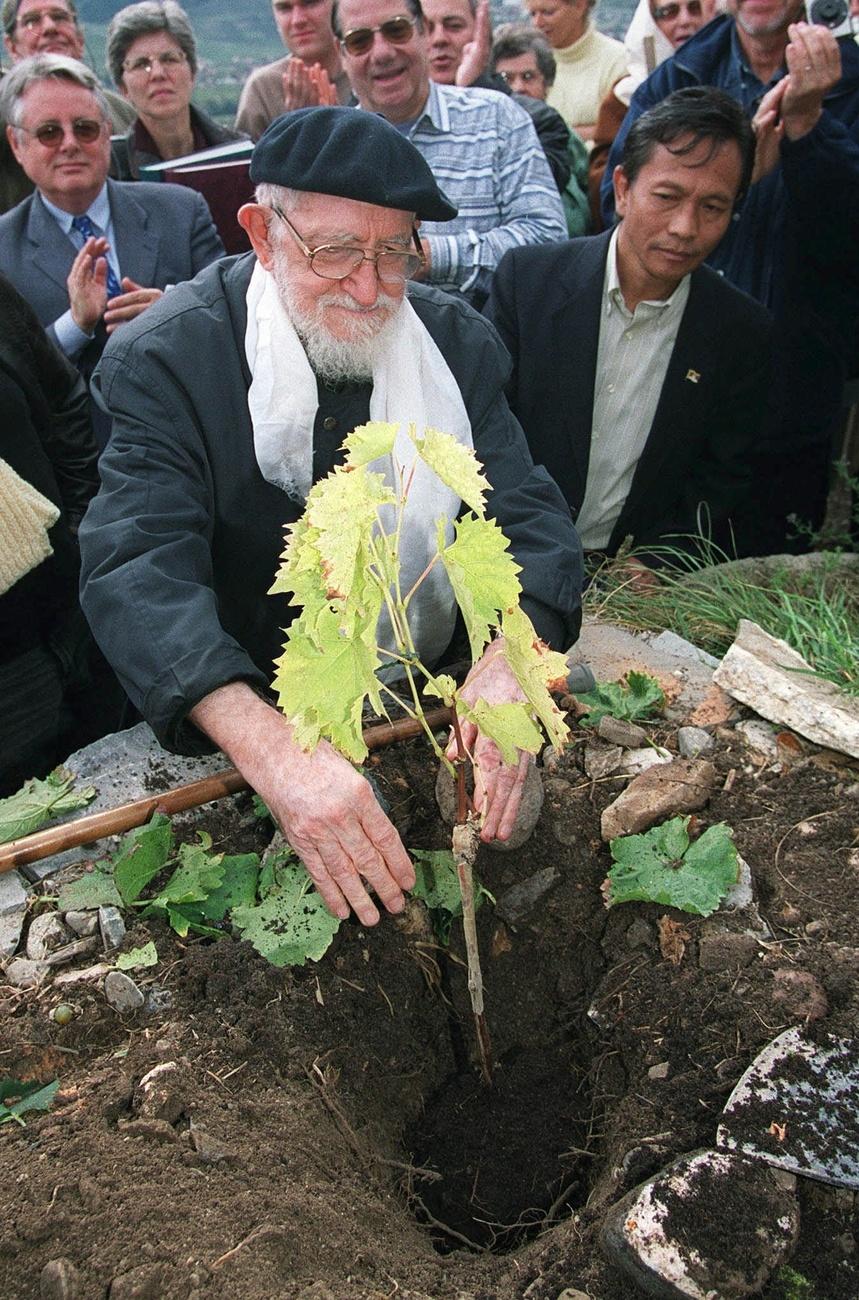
point(325, 808)
point(814, 68)
point(129, 304)
point(769, 131)
point(306, 85)
point(87, 284)
point(497, 787)
point(475, 55)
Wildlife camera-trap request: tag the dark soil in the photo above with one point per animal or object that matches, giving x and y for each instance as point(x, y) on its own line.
point(327, 1134)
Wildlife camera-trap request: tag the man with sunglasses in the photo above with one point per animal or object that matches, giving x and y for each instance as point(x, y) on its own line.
point(234, 395)
point(482, 148)
point(87, 253)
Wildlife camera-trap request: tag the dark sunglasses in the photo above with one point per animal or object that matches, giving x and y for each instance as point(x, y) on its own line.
point(396, 31)
point(666, 12)
point(50, 134)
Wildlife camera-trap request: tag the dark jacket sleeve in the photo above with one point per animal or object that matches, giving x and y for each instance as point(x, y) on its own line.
point(206, 244)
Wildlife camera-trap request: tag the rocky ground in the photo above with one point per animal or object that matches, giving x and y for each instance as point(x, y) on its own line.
point(225, 1129)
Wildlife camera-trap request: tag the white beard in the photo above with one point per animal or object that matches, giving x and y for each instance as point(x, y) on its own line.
point(332, 359)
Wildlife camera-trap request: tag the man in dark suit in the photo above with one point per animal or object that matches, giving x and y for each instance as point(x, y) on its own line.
point(87, 253)
point(639, 375)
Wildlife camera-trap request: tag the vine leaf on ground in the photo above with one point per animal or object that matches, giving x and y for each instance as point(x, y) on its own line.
point(16, 1098)
point(636, 700)
point(291, 924)
point(437, 885)
point(661, 866)
point(93, 889)
point(143, 853)
point(138, 958)
point(38, 802)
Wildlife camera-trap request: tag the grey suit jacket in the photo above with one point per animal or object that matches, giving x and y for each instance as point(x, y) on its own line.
point(163, 234)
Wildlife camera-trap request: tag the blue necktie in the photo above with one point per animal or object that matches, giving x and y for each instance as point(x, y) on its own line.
point(85, 227)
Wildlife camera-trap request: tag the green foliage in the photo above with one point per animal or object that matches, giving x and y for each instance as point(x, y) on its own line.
point(93, 889)
point(635, 700)
point(482, 573)
point(437, 884)
point(662, 866)
point(138, 958)
point(456, 466)
point(16, 1098)
point(38, 802)
point(291, 924)
point(143, 853)
point(790, 1285)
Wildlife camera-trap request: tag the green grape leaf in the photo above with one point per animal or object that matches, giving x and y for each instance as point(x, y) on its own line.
point(138, 958)
point(16, 1098)
point(537, 669)
point(370, 441)
point(344, 509)
point(93, 889)
point(441, 687)
point(509, 724)
point(238, 888)
point(198, 874)
point(38, 802)
point(482, 573)
point(271, 865)
point(437, 885)
point(142, 854)
point(661, 866)
point(321, 687)
point(292, 924)
point(455, 464)
point(636, 700)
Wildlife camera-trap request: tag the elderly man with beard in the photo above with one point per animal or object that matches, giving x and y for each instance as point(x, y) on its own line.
point(228, 401)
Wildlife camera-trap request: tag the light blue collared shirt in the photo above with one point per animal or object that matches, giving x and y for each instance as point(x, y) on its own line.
point(70, 336)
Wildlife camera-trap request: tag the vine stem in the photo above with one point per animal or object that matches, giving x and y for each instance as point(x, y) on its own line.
point(465, 842)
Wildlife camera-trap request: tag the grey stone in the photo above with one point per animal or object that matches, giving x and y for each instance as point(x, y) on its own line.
point(157, 1001)
point(740, 895)
point(659, 1072)
point(11, 926)
point(679, 787)
point(724, 950)
point(672, 644)
point(636, 761)
point(210, 1150)
point(13, 894)
point(692, 741)
point(516, 902)
point(162, 1092)
point(59, 1280)
point(122, 993)
point(760, 737)
point(69, 951)
point(68, 979)
point(639, 934)
point(26, 974)
point(111, 926)
point(601, 760)
point(771, 678)
point(616, 731)
point(46, 934)
point(667, 1251)
point(82, 923)
point(529, 809)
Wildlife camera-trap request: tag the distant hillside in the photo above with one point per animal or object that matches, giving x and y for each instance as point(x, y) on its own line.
point(234, 37)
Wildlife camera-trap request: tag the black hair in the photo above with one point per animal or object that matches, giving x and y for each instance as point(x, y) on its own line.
point(684, 120)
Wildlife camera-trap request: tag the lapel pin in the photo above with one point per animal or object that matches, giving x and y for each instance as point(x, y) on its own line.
point(693, 376)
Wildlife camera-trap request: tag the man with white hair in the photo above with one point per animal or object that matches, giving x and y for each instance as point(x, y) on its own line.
point(229, 398)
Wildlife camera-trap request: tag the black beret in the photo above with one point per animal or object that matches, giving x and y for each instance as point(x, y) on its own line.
point(350, 154)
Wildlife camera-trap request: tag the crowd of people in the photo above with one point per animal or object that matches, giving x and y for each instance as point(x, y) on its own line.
point(624, 274)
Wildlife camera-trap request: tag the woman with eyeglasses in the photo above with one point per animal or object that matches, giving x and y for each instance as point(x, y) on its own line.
point(152, 57)
point(656, 31)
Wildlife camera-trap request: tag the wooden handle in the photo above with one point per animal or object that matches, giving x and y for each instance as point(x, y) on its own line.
point(84, 830)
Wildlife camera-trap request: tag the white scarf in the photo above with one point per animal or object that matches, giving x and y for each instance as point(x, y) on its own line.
point(412, 384)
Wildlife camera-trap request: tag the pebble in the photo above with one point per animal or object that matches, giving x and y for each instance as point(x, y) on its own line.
point(692, 741)
point(160, 1094)
point(800, 993)
point(618, 732)
point(679, 787)
point(815, 928)
point(659, 1071)
point(26, 974)
point(209, 1149)
point(570, 1293)
point(726, 951)
point(122, 993)
point(82, 923)
point(46, 934)
point(601, 760)
point(790, 915)
point(59, 1280)
point(760, 736)
point(13, 895)
point(112, 927)
point(640, 760)
point(140, 1284)
point(639, 934)
point(661, 1235)
point(157, 1002)
point(11, 925)
point(520, 899)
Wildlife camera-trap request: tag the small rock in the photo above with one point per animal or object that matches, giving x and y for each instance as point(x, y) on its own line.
point(83, 924)
point(659, 1071)
point(726, 951)
point(692, 741)
point(601, 760)
point(790, 915)
point(145, 1283)
point(679, 787)
point(13, 895)
point(639, 934)
point(158, 1129)
point(520, 899)
point(760, 737)
point(26, 974)
point(46, 934)
point(11, 925)
point(86, 975)
point(69, 951)
point(680, 648)
point(741, 895)
point(661, 1234)
point(636, 761)
point(59, 1280)
point(800, 993)
point(559, 763)
point(157, 1001)
point(526, 820)
point(209, 1149)
point(815, 928)
point(618, 732)
point(112, 927)
point(122, 993)
point(161, 1093)
point(570, 1293)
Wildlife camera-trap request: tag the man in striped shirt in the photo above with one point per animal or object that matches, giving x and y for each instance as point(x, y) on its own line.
point(482, 148)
